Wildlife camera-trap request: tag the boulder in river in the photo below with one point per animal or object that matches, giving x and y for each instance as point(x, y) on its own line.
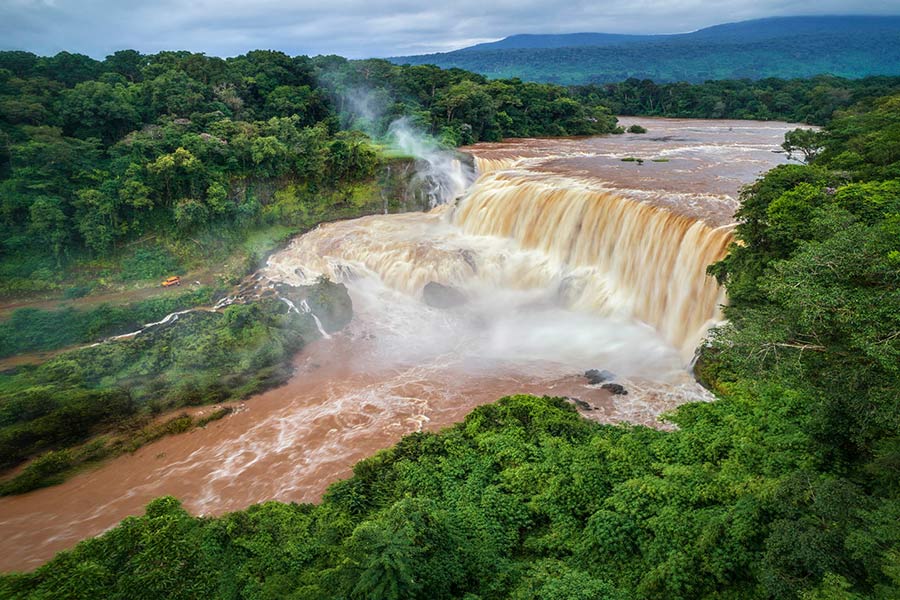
point(438, 295)
point(615, 389)
point(595, 376)
point(580, 403)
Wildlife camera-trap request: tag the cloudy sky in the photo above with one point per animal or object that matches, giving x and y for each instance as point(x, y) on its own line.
point(362, 28)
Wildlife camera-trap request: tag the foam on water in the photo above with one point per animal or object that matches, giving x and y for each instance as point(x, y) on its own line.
point(565, 264)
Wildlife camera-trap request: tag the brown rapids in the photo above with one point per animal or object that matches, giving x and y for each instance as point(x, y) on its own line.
point(571, 259)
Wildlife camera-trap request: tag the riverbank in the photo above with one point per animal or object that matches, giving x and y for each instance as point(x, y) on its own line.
point(403, 366)
point(60, 389)
point(193, 357)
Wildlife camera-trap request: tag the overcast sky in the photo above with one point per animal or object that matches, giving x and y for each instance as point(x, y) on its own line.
point(362, 28)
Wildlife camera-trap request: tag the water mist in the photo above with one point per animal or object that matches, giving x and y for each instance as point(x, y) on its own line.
point(446, 177)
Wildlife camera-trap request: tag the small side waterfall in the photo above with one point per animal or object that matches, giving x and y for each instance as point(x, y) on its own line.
point(305, 309)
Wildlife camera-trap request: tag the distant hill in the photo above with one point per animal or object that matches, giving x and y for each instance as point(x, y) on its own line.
point(562, 40)
point(848, 46)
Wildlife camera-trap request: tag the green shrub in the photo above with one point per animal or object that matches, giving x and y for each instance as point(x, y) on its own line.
point(149, 262)
point(77, 291)
point(42, 471)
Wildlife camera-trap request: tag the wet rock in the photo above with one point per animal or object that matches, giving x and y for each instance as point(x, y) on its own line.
point(331, 303)
point(469, 257)
point(437, 295)
point(595, 376)
point(580, 403)
point(615, 389)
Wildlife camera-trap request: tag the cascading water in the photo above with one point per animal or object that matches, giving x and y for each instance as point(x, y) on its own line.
point(565, 259)
point(304, 305)
point(613, 256)
point(489, 165)
point(306, 308)
point(537, 237)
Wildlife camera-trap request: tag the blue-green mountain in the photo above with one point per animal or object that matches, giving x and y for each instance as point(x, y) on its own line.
point(787, 47)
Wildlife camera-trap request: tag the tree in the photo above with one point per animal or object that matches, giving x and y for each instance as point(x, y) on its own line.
point(98, 219)
point(302, 101)
point(176, 94)
point(69, 68)
point(270, 156)
point(96, 109)
point(49, 222)
point(178, 172)
point(807, 142)
point(128, 63)
point(190, 213)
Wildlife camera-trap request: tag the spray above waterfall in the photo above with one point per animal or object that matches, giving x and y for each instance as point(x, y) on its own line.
point(442, 173)
point(446, 177)
point(365, 110)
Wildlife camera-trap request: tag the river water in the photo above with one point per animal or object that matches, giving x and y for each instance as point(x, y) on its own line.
point(568, 259)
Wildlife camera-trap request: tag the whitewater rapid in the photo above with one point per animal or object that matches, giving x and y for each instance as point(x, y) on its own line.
point(568, 258)
point(553, 271)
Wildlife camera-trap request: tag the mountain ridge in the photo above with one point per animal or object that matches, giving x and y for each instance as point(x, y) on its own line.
point(774, 26)
point(845, 45)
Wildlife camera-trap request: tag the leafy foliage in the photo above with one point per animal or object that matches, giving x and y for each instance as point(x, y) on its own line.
point(100, 153)
point(525, 499)
point(812, 100)
point(31, 329)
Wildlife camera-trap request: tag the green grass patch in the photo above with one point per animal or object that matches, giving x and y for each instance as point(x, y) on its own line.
point(55, 466)
point(32, 330)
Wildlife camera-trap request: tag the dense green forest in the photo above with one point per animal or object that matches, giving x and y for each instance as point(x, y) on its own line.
point(812, 100)
point(788, 48)
point(785, 487)
point(100, 157)
point(759, 31)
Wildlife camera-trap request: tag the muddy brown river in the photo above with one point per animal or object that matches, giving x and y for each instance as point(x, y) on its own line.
point(568, 259)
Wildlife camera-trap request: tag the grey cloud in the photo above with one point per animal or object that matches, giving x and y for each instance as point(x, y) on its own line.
point(360, 28)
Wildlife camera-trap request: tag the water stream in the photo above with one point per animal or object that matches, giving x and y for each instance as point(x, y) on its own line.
point(566, 257)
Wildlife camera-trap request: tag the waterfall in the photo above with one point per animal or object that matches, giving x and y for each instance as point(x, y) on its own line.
point(622, 256)
point(489, 165)
point(304, 305)
point(547, 235)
